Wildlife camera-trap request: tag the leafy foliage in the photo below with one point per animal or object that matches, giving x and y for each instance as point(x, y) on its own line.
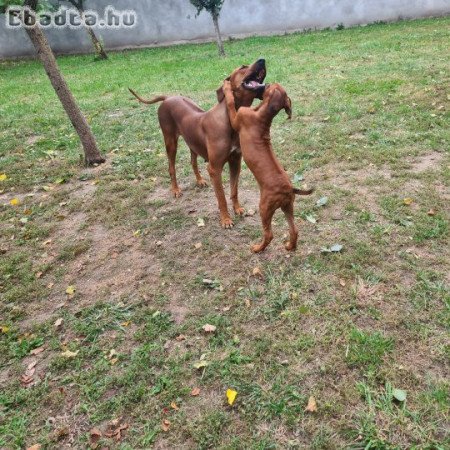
point(212, 6)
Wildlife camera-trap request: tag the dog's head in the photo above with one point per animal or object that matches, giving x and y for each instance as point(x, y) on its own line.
point(277, 99)
point(247, 83)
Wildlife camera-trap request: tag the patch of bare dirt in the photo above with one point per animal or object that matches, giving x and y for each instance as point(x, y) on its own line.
point(430, 161)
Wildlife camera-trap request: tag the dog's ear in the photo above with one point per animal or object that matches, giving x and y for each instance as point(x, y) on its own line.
point(288, 107)
point(220, 94)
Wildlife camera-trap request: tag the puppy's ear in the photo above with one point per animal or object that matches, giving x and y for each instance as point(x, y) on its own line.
point(220, 94)
point(288, 107)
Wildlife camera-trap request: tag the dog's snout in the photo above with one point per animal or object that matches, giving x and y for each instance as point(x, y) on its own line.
point(261, 61)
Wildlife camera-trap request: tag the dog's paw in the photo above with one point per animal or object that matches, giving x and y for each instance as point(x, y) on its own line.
point(227, 223)
point(239, 211)
point(290, 247)
point(202, 183)
point(177, 193)
point(257, 248)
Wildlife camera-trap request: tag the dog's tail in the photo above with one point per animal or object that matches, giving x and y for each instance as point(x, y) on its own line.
point(303, 191)
point(161, 98)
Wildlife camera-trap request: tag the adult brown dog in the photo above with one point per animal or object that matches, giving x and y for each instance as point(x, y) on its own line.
point(253, 125)
point(209, 134)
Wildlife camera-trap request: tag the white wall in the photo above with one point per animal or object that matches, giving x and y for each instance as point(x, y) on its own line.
point(161, 22)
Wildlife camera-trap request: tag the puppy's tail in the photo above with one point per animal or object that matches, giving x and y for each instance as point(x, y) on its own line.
point(161, 98)
point(303, 191)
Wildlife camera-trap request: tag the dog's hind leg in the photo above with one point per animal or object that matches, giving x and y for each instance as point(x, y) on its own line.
point(198, 176)
point(293, 232)
point(266, 211)
point(171, 148)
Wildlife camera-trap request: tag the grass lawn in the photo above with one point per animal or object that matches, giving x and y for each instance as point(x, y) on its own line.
point(125, 352)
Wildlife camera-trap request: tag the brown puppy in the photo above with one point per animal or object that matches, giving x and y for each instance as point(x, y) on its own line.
point(209, 134)
point(275, 187)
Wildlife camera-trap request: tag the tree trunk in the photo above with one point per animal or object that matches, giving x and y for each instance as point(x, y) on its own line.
point(218, 36)
point(99, 50)
point(91, 152)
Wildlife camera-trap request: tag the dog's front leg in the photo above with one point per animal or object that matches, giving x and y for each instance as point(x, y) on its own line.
point(215, 172)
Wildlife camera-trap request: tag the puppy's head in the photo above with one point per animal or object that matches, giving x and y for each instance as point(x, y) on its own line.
point(247, 83)
point(277, 99)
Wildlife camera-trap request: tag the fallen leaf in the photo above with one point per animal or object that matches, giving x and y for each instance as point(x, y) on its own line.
point(174, 406)
point(408, 201)
point(3, 177)
point(322, 201)
point(248, 303)
point(336, 248)
point(209, 328)
point(200, 364)
point(198, 245)
point(195, 392)
point(35, 447)
point(180, 338)
point(165, 425)
point(39, 275)
point(37, 350)
point(311, 219)
point(298, 177)
point(231, 396)
point(26, 380)
point(200, 222)
point(69, 354)
point(256, 272)
point(94, 436)
point(126, 324)
point(399, 394)
point(250, 213)
point(70, 290)
point(14, 202)
point(4, 329)
point(312, 405)
point(58, 322)
point(226, 308)
point(159, 243)
point(431, 212)
point(342, 282)
point(32, 365)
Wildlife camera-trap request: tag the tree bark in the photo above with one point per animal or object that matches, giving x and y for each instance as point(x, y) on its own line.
point(218, 36)
point(91, 152)
point(98, 47)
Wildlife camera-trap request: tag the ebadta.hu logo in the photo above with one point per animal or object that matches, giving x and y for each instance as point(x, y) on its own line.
point(23, 17)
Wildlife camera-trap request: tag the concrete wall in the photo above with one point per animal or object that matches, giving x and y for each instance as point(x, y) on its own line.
point(161, 22)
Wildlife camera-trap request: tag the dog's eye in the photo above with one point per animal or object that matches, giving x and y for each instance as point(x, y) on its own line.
point(244, 67)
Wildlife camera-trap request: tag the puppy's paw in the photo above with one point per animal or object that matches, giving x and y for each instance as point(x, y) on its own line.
point(239, 211)
point(177, 193)
point(227, 223)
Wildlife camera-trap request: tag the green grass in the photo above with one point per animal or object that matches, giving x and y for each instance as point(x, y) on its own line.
point(370, 129)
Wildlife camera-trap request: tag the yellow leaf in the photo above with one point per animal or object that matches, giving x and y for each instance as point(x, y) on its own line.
point(14, 202)
point(174, 406)
point(4, 329)
point(70, 290)
point(3, 177)
point(408, 201)
point(312, 405)
point(231, 396)
point(69, 354)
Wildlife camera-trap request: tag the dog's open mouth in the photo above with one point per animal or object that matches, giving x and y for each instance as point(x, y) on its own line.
point(255, 80)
